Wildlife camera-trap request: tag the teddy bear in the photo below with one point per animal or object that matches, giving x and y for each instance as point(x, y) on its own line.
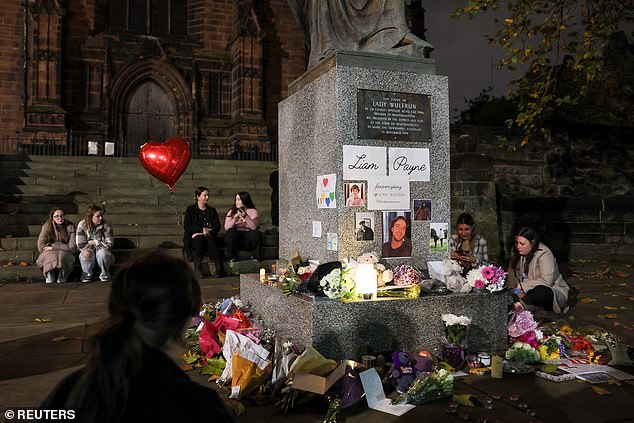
point(403, 370)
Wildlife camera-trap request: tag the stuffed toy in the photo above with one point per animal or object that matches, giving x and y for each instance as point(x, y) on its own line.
point(403, 371)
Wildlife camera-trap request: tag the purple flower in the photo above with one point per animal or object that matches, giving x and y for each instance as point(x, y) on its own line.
point(479, 284)
point(522, 323)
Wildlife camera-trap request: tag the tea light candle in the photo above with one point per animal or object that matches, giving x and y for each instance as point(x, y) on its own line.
point(262, 275)
point(485, 359)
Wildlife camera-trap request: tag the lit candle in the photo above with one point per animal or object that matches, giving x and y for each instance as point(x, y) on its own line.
point(262, 275)
point(366, 280)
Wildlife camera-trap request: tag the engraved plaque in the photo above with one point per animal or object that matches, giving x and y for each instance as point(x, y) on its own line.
point(386, 115)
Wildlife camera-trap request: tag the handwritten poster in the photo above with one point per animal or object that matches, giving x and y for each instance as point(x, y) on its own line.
point(410, 162)
point(388, 193)
point(326, 198)
point(361, 162)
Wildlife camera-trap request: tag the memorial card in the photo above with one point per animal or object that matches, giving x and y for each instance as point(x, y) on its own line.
point(411, 162)
point(397, 234)
point(361, 162)
point(364, 226)
point(331, 241)
point(326, 198)
point(388, 193)
point(355, 194)
point(422, 210)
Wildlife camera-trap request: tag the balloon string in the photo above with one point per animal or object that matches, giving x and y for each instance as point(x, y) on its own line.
point(175, 208)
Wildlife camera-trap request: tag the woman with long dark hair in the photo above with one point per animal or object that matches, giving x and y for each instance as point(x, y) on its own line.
point(534, 274)
point(131, 375)
point(241, 225)
point(57, 246)
point(201, 230)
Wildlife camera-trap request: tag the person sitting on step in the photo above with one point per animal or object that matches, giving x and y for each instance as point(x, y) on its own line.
point(241, 225)
point(95, 240)
point(57, 247)
point(132, 372)
point(201, 227)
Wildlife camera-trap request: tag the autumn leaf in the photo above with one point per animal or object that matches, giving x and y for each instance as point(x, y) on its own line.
point(43, 319)
point(190, 358)
point(599, 390)
point(622, 284)
point(610, 308)
point(464, 399)
point(186, 367)
point(586, 300)
point(622, 274)
point(609, 316)
point(59, 339)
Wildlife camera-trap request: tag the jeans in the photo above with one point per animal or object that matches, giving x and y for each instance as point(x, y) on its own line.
point(104, 259)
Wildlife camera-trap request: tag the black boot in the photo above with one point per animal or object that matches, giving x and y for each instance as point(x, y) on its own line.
point(198, 266)
point(220, 271)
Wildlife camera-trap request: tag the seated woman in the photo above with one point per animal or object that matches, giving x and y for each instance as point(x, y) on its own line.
point(57, 246)
point(132, 374)
point(241, 225)
point(95, 240)
point(201, 229)
point(466, 247)
point(534, 275)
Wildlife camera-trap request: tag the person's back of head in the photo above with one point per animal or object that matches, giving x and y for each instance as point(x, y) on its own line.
point(151, 301)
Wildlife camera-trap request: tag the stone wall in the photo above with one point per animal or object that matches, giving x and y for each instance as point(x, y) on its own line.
point(575, 187)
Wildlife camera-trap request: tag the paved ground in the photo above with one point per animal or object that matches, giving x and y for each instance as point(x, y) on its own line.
point(43, 328)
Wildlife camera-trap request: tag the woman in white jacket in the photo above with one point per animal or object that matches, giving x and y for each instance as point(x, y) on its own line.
point(95, 240)
point(534, 274)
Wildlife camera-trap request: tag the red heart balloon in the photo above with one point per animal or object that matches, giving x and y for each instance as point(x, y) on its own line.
point(167, 160)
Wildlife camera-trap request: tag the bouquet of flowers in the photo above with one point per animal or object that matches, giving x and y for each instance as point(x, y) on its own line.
point(338, 284)
point(406, 275)
point(523, 353)
point(553, 347)
point(427, 387)
point(455, 327)
point(490, 277)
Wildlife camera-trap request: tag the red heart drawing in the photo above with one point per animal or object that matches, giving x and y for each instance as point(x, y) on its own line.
point(325, 182)
point(167, 160)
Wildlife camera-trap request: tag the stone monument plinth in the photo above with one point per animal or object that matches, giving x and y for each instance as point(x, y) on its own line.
point(348, 330)
point(362, 100)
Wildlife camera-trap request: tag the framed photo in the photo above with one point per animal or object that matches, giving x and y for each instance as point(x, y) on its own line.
point(422, 210)
point(364, 226)
point(355, 194)
point(438, 233)
point(397, 234)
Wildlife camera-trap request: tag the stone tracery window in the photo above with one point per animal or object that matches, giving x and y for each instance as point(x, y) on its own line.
point(149, 17)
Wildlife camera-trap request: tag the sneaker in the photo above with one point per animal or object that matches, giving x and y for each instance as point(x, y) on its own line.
point(104, 278)
point(86, 277)
point(49, 277)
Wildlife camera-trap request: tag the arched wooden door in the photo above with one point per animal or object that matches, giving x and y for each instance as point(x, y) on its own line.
point(150, 117)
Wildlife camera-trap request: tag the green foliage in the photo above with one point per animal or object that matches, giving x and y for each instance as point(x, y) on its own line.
point(560, 40)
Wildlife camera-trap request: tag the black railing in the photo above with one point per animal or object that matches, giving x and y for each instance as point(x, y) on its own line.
point(82, 147)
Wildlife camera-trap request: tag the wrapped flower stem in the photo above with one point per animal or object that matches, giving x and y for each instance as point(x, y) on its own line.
point(427, 387)
point(412, 291)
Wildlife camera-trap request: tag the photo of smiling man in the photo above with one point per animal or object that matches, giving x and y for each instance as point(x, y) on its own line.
point(397, 234)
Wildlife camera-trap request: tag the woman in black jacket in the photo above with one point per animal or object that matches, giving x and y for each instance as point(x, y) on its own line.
point(201, 229)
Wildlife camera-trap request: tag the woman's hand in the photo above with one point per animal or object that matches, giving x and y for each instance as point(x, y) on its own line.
point(47, 248)
point(206, 232)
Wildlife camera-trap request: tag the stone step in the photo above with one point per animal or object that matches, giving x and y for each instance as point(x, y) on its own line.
point(128, 241)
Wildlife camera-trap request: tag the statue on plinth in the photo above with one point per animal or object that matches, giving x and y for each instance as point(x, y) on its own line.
point(377, 26)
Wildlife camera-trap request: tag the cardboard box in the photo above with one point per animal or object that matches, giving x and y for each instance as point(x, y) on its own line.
point(318, 384)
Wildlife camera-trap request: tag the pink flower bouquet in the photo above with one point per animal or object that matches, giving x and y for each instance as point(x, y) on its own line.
point(488, 277)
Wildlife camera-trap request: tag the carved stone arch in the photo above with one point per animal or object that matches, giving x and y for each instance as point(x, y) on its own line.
point(165, 76)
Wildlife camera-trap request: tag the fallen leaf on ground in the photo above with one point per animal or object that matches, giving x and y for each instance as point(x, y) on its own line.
point(610, 308)
point(464, 399)
point(601, 391)
point(61, 338)
point(24, 263)
point(609, 316)
point(586, 300)
point(623, 284)
point(622, 274)
point(571, 317)
point(43, 319)
point(612, 381)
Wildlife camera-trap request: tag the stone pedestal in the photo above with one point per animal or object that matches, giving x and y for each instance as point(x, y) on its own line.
point(348, 330)
point(319, 118)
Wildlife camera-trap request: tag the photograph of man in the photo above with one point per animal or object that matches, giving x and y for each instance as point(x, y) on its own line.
point(422, 210)
point(364, 226)
point(355, 194)
point(397, 239)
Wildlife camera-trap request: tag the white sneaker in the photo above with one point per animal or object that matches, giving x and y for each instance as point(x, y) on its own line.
point(49, 277)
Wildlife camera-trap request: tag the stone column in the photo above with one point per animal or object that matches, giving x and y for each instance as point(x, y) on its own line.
point(319, 117)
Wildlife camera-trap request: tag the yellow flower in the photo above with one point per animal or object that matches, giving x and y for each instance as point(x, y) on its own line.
point(566, 330)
